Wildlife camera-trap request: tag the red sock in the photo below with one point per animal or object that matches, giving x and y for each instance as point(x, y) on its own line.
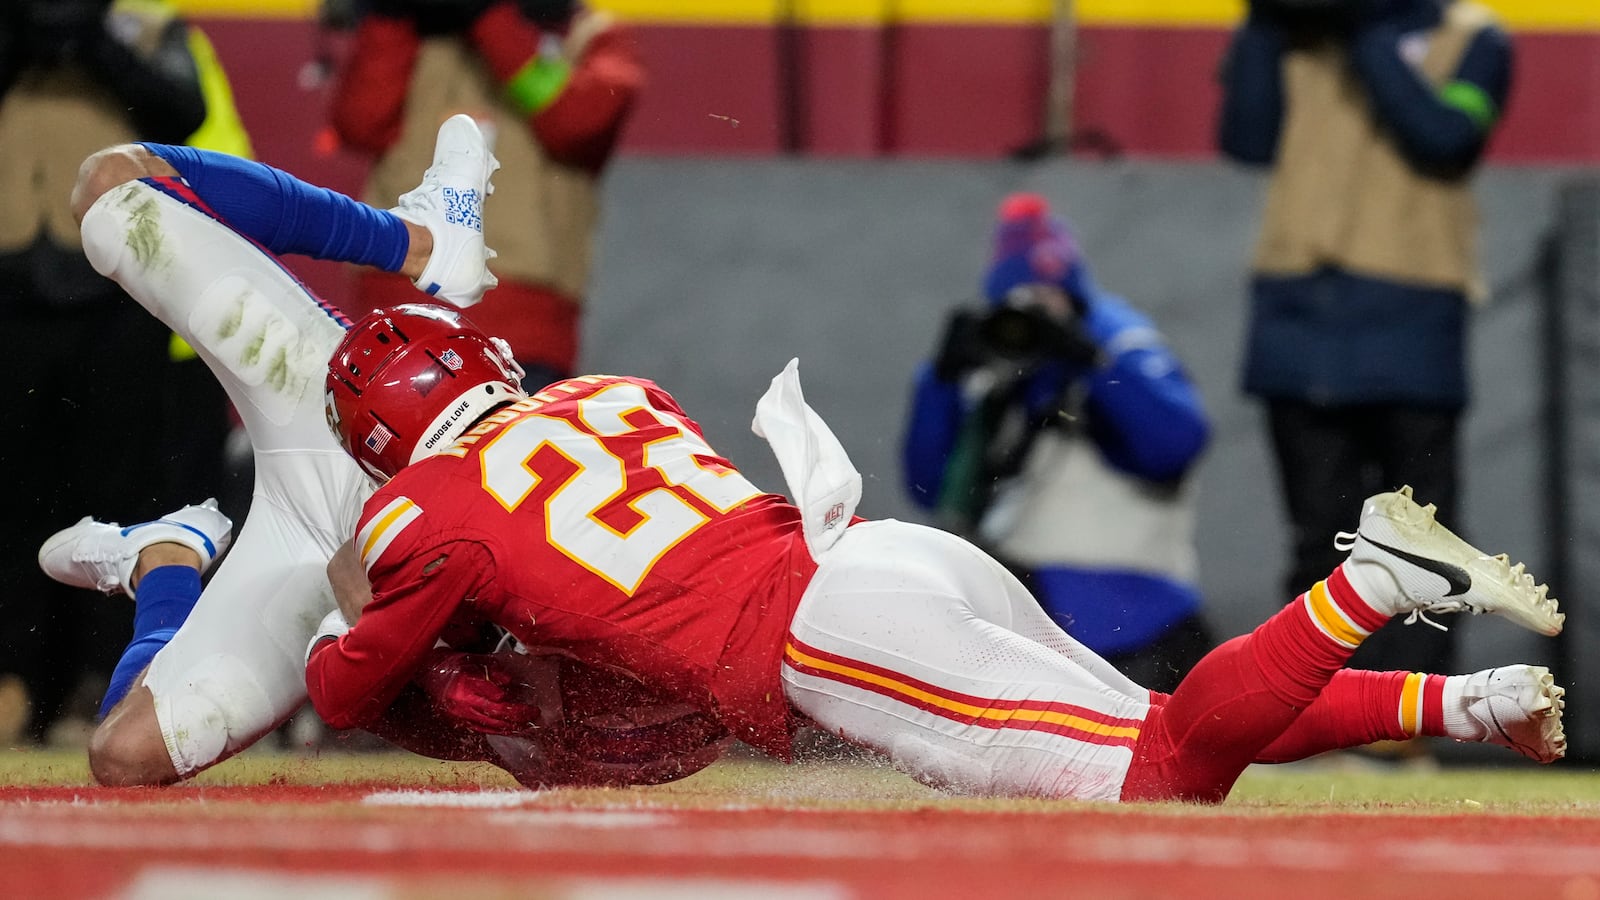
point(1301, 647)
point(1355, 709)
point(1245, 694)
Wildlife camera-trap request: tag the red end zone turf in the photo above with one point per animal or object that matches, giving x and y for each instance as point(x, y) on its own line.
point(371, 841)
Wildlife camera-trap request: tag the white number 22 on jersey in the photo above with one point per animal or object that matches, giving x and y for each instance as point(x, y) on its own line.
point(620, 556)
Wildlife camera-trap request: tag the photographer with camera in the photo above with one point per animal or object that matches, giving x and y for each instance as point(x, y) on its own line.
point(552, 83)
point(1372, 115)
point(76, 76)
point(1056, 429)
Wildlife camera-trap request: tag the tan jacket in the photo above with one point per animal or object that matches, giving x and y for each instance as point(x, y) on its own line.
point(542, 217)
point(1342, 195)
point(49, 122)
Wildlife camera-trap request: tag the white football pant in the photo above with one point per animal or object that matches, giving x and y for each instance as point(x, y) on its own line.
point(914, 642)
point(235, 669)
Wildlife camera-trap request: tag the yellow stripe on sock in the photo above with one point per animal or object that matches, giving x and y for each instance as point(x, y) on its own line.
point(1328, 617)
point(1411, 704)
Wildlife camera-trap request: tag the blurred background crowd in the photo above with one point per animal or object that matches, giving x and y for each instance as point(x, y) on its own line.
point(1144, 298)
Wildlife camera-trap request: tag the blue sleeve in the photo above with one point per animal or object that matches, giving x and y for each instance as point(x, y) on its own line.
point(1433, 134)
point(1252, 94)
point(931, 432)
point(287, 215)
point(1144, 413)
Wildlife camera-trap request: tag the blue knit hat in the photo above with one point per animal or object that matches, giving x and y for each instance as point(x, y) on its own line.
point(1032, 245)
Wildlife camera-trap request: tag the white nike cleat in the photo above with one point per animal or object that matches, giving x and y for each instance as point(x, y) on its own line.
point(1519, 707)
point(1401, 554)
point(103, 555)
point(449, 203)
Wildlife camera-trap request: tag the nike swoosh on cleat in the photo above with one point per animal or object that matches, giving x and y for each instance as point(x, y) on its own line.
point(1460, 581)
point(1511, 742)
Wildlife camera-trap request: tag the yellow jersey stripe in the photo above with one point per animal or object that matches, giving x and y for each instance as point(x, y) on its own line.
point(384, 528)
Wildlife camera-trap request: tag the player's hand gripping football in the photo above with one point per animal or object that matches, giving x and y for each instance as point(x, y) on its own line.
point(601, 728)
point(475, 690)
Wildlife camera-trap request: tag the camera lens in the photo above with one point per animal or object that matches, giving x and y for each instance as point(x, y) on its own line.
point(1012, 333)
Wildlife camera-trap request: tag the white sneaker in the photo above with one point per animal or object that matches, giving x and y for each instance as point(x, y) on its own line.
point(1400, 553)
point(1519, 707)
point(102, 555)
point(449, 203)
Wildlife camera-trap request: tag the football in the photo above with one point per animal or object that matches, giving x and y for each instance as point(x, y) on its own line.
point(607, 729)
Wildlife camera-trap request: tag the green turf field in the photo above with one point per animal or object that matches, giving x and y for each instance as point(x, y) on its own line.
point(1314, 786)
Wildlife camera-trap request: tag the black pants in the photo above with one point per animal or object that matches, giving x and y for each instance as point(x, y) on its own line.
point(100, 423)
point(1162, 664)
point(1332, 458)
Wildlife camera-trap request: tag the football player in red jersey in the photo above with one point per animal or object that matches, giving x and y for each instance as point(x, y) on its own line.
point(593, 518)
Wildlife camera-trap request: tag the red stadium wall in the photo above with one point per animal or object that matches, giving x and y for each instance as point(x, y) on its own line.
point(1554, 112)
point(733, 106)
point(838, 106)
point(948, 97)
point(886, 87)
point(1150, 91)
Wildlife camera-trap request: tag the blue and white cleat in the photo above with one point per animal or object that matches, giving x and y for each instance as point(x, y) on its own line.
point(449, 203)
point(103, 555)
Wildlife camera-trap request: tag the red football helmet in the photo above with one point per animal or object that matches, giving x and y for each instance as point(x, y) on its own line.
point(408, 380)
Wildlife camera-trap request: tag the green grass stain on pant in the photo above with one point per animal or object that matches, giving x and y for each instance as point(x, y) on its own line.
point(144, 235)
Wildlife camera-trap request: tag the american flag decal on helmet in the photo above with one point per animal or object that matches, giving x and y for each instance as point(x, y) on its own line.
point(451, 360)
point(379, 438)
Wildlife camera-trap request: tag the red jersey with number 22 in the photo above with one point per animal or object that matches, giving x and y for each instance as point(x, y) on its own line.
point(593, 518)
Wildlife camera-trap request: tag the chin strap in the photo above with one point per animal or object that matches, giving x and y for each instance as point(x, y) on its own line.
point(508, 357)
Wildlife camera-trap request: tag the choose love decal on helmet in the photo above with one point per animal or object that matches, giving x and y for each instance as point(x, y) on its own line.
point(407, 381)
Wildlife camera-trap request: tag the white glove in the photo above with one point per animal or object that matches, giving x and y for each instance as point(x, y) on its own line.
point(333, 626)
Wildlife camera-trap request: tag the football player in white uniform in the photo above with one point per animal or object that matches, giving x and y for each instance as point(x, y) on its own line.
point(198, 685)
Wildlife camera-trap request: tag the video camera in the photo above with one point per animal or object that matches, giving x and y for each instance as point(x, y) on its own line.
point(1025, 331)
